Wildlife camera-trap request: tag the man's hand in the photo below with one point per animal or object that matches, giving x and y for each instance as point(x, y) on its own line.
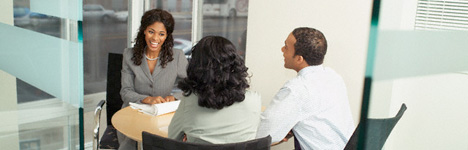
point(285, 139)
point(288, 136)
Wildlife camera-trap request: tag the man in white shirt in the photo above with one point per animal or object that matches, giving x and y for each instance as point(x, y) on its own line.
point(313, 105)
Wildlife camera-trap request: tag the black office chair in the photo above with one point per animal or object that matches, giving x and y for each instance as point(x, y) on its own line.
point(378, 131)
point(114, 103)
point(155, 142)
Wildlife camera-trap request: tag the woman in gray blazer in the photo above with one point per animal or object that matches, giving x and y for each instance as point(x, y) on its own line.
point(150, 68)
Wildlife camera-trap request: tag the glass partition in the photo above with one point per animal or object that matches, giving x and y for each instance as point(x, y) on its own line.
point(41, 75)
point(105, 26)
point(104, 31)
point(226, 18)
point(419, 58)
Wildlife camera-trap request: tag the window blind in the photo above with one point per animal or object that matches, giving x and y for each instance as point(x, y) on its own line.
point(442, 15)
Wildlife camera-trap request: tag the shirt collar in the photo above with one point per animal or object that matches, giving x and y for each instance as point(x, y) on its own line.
point(308, 69)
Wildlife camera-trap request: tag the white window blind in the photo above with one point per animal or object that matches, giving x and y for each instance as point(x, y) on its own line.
point(442, 15)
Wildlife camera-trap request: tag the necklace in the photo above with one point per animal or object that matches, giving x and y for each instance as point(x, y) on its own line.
point(151, 59)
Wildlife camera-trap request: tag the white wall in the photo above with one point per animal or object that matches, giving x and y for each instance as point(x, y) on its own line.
point(9, 126)
point(397, 14)
point(8, 112)
point(6, 9)
point(344, 23)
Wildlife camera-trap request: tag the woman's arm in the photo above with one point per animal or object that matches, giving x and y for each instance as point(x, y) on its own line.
point(127, 92)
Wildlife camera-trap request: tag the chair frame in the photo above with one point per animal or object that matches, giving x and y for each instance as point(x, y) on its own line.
point(360, 137)
point(97, 123)
point(113, 99)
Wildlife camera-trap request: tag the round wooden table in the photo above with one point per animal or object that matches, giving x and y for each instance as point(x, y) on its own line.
point(132, 123)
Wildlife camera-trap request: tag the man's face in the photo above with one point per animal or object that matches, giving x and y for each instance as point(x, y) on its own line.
point(288, 52)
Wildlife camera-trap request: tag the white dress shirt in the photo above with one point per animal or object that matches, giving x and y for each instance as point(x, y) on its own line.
point(315, 106)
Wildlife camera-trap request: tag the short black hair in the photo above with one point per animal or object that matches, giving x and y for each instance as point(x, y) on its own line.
point(310, 44)
point(216, 73)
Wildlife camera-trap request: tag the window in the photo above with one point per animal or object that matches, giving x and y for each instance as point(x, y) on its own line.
point(442, 15)
point(104, 31)
point(215, 2)
point(226, 18)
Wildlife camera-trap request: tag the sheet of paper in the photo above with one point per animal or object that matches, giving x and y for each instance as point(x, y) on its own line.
point(164, 108)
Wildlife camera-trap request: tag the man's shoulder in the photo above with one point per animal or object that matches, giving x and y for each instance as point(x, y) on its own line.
point(323, 74)
point(294, 82)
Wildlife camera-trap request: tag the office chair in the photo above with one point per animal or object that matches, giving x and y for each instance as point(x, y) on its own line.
point(155, 142)
point(377, 132)
point(114, 103)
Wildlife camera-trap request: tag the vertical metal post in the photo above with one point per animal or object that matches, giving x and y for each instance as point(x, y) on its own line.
point(129, 24)
point(197, 21)
point(371, 49)
point(146, 5)
point(135, 11)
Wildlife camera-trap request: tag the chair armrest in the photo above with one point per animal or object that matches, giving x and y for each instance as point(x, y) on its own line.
point(97, 118)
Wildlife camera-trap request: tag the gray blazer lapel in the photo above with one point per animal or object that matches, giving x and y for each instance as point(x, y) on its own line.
point(158, 69)
point(145, 68)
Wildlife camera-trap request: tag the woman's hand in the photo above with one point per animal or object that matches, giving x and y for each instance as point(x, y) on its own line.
point(153, 100)
point(169, 98)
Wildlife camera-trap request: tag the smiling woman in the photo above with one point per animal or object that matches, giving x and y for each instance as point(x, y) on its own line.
point(151, 67)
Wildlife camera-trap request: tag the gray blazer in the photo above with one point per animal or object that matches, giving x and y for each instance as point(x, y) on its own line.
point(138, 83)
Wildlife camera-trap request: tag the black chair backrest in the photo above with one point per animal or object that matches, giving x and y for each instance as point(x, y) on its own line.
point(155, 142)
point(378, 131)
point(114, 101)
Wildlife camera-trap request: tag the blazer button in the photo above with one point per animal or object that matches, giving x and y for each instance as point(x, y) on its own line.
point(151, 86)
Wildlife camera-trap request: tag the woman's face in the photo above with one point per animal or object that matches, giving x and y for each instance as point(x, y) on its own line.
point(155, 35)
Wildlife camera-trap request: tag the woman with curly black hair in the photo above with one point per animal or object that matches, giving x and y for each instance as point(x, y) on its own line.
point(217, 107)
point(150, 68)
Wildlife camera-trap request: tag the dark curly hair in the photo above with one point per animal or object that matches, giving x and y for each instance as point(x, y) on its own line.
point(216, 73)
point(149, 18)
point(310, 44)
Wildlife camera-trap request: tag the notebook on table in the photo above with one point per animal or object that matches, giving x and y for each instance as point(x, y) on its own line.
point(156, 109)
